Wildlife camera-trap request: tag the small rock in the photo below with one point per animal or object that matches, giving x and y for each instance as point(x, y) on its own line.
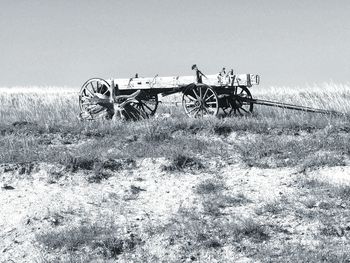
point(7, 187)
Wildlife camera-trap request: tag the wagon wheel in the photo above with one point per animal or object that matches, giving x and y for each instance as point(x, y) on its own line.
point(239, 101)
point(93, 90)
point(147, 104)
point(200, 101)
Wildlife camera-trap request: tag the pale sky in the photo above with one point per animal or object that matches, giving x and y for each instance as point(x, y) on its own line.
point(65, 42)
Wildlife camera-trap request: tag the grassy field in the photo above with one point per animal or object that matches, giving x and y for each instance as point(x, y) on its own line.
point(271, 187)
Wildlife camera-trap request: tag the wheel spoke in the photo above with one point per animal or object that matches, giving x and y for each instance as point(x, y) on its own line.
point(143, 109)
point(196, 94)
point(197, 111)
point(93, 89)
point(195, 108)
point(212, 95)
point(86, 89)
point(244, 110)
point(190, 97)
point(143, 104)
point(104, 93)
point(205, 93)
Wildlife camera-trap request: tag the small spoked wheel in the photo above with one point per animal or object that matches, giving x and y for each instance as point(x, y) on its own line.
point(91, 90)
point(240, 102)
point(147, 104)
point(200, 101)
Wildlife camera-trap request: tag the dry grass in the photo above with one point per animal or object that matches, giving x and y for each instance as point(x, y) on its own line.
point(41, 126)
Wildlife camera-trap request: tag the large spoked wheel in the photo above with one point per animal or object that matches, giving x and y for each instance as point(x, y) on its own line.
point(200, 101)
point(240, 103)
point(91, 90)
point(147, 104)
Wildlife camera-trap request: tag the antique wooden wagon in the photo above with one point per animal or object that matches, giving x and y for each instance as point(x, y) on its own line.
point(202, 95)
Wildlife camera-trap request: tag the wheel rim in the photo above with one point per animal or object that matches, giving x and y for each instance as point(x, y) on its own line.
point(239, 104)
point(200, 101)
point(91, 89)
point(147, 105)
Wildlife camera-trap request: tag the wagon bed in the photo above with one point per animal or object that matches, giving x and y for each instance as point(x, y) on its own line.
point(203, 95)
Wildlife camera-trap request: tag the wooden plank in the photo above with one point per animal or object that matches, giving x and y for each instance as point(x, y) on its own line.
point(177, 81)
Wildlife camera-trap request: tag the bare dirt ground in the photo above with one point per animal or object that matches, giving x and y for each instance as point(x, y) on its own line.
point(148, 196)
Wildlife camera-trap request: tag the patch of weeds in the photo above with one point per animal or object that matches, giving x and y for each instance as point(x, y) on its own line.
point(103, 169)
point(91, 163)
point(231, 200)
point(25, 127)
point(213, 204)
point(25, 168)
point(114, 165)
point(108, 240)
point(342, 191)
point(54, 174)
point(222, 129)
point(252, 229)
point(322, 159)
point(181, 162)
point(326, 251)
point(21, 168)
point(98, 176)
point(321, 188)
point(195, 230)
point(93, 134)
point(274, 207)
point(310, 202)
point(331, 230)
point(210, 186)
point(155, 133)
point(267, 151)
point(73, 164)
point(311, 183)
point(212, 208)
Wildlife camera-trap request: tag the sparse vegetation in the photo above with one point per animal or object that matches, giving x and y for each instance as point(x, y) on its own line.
point(226, 194)
point(180, 162)
point(107, 241)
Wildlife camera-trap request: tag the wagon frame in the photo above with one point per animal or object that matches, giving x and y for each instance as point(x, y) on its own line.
point(225, 93)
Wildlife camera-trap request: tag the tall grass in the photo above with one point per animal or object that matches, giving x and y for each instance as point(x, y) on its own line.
point(60, 104)
point(41, 124)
